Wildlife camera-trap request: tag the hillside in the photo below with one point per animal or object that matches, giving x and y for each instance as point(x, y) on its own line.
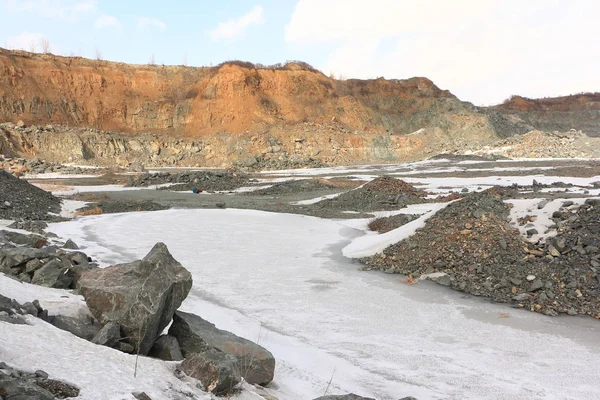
point(579, 111)
point(236, 113)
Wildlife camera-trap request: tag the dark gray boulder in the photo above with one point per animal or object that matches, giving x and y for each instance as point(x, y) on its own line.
point(21, 389)
point(350, 396)
point(35, 241)
point(195, 335)
point(166, 348)
point(140, 296)
point(76, 326)
point(71, 245)
point(53, 274)
point(217, 371)
point(109, 335)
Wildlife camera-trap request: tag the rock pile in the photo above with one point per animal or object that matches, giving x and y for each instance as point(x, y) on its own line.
point(470, 247)
point(19, 200)
point(383, 193)
point(295, 186)
point(208, 181)
point(132, 304)
point(20, 166)
point(17, 384)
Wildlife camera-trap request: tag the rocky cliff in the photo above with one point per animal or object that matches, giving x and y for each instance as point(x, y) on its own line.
point(235, 113)
point(579, 112)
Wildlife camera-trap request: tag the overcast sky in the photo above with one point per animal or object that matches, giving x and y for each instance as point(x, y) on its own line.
point(483, 51)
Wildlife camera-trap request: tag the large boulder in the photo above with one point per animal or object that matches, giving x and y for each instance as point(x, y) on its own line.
point(196, 335)
point(216, 370)
point(109, 335)
point(140, 296)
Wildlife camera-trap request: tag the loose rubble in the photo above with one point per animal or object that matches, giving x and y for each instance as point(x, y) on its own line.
point(20, 200)
point(470, 247)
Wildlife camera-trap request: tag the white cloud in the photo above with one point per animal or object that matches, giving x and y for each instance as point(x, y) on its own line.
point(105, 21)
point(236, 27)
point(144, 23)
point(26, 41)
point(68, 10)
point(483, 51)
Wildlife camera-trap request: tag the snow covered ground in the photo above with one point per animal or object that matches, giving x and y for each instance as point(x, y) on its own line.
point(281, 279)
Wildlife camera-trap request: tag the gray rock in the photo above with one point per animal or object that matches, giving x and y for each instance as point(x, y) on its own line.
point(33, 265)
point(536, 285)
point(350, 396)
point(71, 245)
point(30, 309)
point(531, 232)
point(21, 255)
point(166, 348)
point(216, 370)
point(443, 280)
point(125, 347)
point(522, 297)
point(141, 396)
point(35, 241)
point(109, 335)
point(21, 389)
point(76, 327)
point(53, 274)
point(140, 296)
point(543, 204)
point(195, 335)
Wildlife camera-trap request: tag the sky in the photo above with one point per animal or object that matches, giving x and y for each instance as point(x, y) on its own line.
point(482, 51)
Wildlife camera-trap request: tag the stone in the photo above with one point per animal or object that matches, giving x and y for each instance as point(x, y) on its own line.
point(350, 396)
point(195, 335)
point(30, 309)
point(166, 348)
point(140, 296)
point(530, 278)
point(33, 265)
point(543, 204)
point(216, 370)
point(35, 241)
point(70, 245)
point(553, 251)
point(20, 123)
point(109, 335)
point(53, 274)
point(21, 389)
point(76, 327)
point(531, 232)
point(536, 285)
point(522, 297)
point(141, 396)
point(20, 255)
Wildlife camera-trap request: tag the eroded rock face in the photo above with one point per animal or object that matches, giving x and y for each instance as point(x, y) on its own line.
point(140, 296)
point(196, 335)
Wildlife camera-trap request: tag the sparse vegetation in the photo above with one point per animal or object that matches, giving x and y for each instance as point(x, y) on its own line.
point(91, 211)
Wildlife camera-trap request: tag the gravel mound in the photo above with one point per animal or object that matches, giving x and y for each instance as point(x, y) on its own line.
point(297, 186)
point(19, 200)
point(383, 193)
point(386, 224)
point(207, 181)
point(472, 245)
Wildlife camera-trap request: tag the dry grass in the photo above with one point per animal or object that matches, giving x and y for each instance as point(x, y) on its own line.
point(409, 280)
point(91, 211)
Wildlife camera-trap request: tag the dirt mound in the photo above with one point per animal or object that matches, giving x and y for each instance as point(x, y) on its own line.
point(207, 181)
point(471, 243)
point(296, 186)
point(19, 200)
point(382, 193)
point(386, 224)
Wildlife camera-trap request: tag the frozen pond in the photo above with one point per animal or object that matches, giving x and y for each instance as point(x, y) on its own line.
point(281, 280)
